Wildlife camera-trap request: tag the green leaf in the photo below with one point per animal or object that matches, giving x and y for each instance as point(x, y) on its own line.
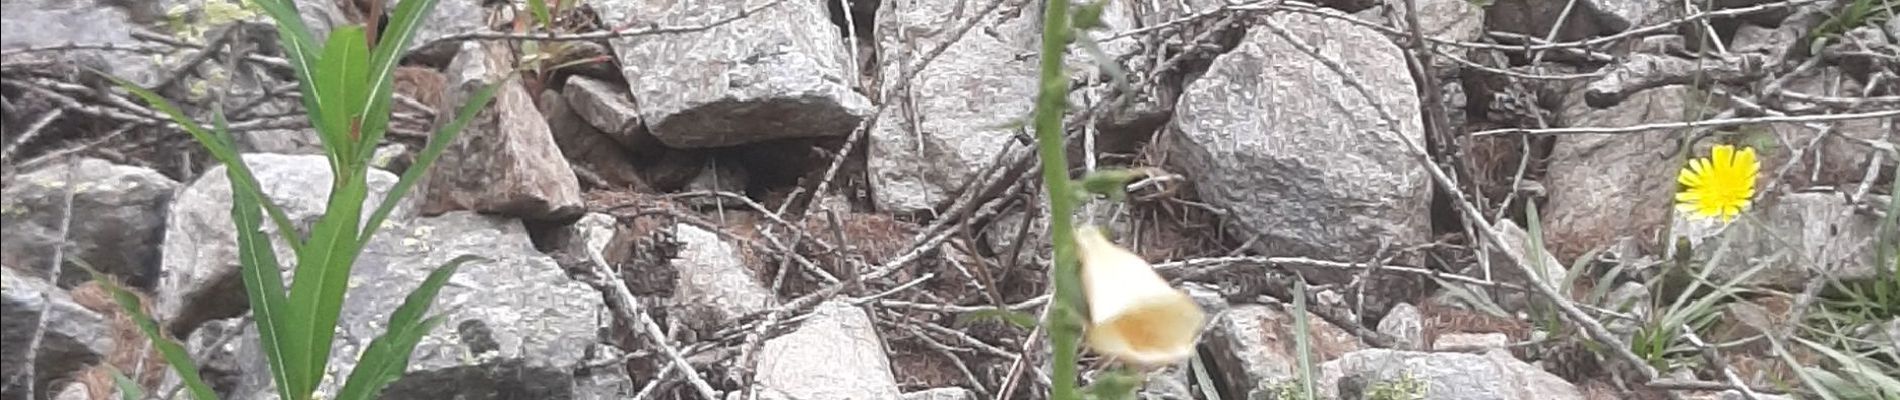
point(301, 48)
point(390, 47)
point(173, 352)
point(387, 356)
point(128, 390)
point(263, 284)
point(219, 149)
point(540, 10)
point(1017, 318)
point(340, 82)
point(437, 143)
point(323, 271)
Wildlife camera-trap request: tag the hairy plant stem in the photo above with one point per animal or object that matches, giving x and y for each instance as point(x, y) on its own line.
point(1064, 325)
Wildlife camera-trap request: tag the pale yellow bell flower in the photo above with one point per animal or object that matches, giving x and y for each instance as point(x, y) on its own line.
point(1134, 316)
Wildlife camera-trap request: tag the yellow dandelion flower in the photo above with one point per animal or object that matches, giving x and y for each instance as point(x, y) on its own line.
point(1720, 185)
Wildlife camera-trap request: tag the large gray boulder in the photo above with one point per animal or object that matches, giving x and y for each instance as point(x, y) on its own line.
point(118, 220)
point(200, 254)
point(75, 337)
point(958, 112)
point(1800, 237)
point(1279, 140)
point(778, 73)
point(1604, 186)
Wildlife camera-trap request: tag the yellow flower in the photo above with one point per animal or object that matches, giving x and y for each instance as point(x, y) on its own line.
point(1134, 316)
point(1719, 186)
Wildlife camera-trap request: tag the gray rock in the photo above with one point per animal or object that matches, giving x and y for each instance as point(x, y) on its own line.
point(588, 148)
point(451, 17)
point(1838, 159)
point(607, 107)
point(946, 393)
point(514, 325)
point(1253, 347)
point(118, 220)
point(1275, 137)
point(778, 73)
point(1553, 271)
point(200, 256)
point(957, 114)
point(1449, 376)
point(1171, 383)
point(834, 355)
point(42, 23)
point(71, 391)
point(1491, 340)
point(74, 338)
point(1607, 186)
point(1631, 298)
point(1404, 323)
point(715, 288)
point(1798, 233)
point(505, 161)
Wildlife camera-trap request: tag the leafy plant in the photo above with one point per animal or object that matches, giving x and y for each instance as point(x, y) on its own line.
point(347, 85)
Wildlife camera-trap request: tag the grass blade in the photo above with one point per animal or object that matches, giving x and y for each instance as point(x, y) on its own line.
point(390, 47)
point(387, 356)
point(173, 352)
point(438, 142)
point(1302, 342)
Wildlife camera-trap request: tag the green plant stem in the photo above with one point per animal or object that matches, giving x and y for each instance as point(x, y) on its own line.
point(1064, 316)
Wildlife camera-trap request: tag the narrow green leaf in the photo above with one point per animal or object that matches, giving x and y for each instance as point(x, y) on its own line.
point(390, 46)
point(340, 81)
point(437, 143)
point(387, 356)
point(128, 390)
point(1017, 318)
point(302, 50)
point(173, 352)
point(219, 149)
point(323, 270)
point(541, 15)
point(263, 284)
